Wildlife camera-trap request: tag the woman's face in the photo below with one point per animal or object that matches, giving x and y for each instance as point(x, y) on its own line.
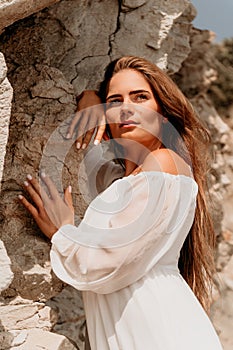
point(131, 109)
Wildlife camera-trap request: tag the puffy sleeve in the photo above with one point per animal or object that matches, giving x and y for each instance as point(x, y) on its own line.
point(126, 230)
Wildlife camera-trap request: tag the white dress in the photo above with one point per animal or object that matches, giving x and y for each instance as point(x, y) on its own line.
point(124, 256)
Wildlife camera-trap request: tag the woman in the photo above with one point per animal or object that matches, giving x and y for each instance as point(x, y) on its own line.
point(148, 232)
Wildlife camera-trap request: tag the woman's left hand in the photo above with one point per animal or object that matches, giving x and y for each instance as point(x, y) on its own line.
point(88, 120)
point(49, 211)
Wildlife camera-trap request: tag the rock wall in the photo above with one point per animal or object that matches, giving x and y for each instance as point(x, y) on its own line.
point(201, 63)
point(51, 57)
point(6, 93)
point(13, 10)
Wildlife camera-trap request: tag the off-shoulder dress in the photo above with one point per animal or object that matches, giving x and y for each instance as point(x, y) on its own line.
point(123, 256)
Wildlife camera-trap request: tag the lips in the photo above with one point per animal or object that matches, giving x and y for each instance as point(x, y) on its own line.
point(128, 123)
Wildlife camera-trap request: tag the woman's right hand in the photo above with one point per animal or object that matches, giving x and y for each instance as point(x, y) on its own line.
point(50, 211)
point(87, 120)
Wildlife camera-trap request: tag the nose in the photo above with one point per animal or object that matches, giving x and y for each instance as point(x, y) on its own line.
point(127, 110)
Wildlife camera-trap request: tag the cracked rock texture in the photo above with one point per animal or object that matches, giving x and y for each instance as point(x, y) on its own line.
point(51, 57)
point(6, 93)
point(13, 10)
point(201, 63)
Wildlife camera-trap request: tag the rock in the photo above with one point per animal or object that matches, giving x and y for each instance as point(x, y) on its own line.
point(130, 5)
point(6, 274)
point(19, 338)
point(160, 31)
point(227, 273)
point(6, 93)
point(29, 260)
point(225, 180)
point(200, 62)
point(27, 315)
point(3, 70)
point(71, 318)
point(222, 315)
point(228, 236)
point(13, 10)
point(39, 339)
point(90, 26)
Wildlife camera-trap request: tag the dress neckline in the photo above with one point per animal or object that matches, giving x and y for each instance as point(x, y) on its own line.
point(158, 172)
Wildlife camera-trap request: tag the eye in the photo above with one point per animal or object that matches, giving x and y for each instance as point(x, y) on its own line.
point(140, 97)
point(114, 103)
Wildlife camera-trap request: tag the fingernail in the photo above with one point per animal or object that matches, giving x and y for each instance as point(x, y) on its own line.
point(78, 145)
point(26, 183)
point(20, 196)
point(68, 136)
point(84, 146)
point(43, 174)
point(29, 177)
point(69, 189)
point(96, 142)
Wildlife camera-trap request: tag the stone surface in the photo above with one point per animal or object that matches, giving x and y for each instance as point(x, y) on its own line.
point(201, 63)
point(13, 10)
point(88, 27)
point(39, 339)
point(71, 318)
point(6, 93)
point(37, 114)
point(222, 315)
point(27, 315)
point(160, 31)
point(6, 274)
point(52, 56)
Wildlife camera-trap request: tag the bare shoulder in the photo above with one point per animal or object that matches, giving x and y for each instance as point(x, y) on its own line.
point(167, 161)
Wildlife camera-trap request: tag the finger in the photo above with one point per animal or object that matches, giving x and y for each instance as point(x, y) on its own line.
point(68, 197)
point(73, 124)
point(99, 134)
point(79, 142)
point(83, 125)
point(79, 123)
point(33, 194)
point(32, 210)
point(54, 194)
point(34, 183)
point(82, 129)
point(100, 131)
point(39, 190)
point(87, 138)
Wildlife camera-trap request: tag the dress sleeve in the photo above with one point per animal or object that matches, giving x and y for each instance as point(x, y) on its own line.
point(126, 231)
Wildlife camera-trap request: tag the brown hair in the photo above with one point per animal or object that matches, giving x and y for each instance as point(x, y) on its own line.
point(196, 262)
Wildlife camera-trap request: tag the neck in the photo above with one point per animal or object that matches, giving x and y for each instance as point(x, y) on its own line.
point(136, 153)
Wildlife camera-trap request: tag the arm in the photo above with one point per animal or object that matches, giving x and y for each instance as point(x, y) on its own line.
point(116, 245)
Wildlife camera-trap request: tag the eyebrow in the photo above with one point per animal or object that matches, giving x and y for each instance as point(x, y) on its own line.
point(131, 93)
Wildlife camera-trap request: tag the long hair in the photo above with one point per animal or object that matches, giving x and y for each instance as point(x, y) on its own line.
point(196, 261)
